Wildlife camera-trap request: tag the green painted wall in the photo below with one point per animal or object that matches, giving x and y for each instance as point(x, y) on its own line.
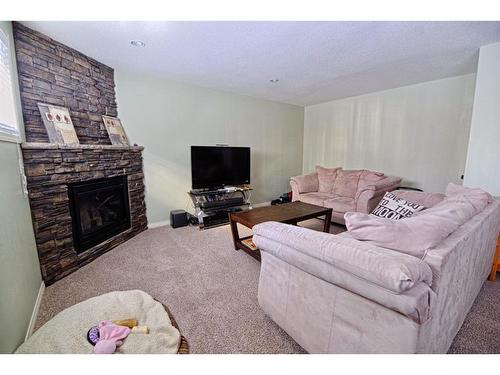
point(20, 277)
point(168, 117)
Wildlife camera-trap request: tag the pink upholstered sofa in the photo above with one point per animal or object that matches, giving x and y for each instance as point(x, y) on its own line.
point(342, 190)
point(340, 294)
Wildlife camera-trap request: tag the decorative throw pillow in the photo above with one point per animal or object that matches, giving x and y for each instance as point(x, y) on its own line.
point(326, 178)
point(394, 208)
point(346, 183)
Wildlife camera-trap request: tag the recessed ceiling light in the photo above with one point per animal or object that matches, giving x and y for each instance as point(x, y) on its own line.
point(275, 80)
point(138, 43)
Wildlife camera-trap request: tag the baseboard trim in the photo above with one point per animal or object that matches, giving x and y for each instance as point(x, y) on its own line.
point(158, 224)
point(165, 223)
point(34, 314)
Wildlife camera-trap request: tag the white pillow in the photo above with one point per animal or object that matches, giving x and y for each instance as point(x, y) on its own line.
point(394, 208)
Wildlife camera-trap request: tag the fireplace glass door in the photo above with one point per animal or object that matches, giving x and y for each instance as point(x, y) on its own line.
point(99, 209)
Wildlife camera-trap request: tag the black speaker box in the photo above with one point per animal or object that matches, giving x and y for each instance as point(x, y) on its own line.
point(178, 218)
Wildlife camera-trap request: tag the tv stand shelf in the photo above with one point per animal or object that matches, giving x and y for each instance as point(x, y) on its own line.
point(212, 206)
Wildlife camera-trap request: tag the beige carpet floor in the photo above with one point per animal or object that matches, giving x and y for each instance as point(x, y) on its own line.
point(212, 291)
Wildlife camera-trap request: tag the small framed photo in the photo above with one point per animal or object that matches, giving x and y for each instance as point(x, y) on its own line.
point(58, 123)
point(115, 131)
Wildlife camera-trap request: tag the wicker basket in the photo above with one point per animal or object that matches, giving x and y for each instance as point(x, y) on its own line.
point(183, 346)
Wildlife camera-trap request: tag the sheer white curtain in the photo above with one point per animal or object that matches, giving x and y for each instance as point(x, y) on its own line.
point(418, 132)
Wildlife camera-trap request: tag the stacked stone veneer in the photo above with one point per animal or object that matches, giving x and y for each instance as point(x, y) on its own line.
point(49, 168)
point(53, 73)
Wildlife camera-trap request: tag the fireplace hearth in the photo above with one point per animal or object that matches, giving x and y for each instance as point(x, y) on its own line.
point(100, 210)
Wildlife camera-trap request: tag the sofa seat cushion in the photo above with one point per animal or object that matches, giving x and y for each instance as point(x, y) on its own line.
point(341, 204)
point(315, 198)
point(346, 183)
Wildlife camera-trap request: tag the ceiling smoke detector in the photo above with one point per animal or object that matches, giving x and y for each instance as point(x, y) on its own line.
point(274, 80)
point(138, 43)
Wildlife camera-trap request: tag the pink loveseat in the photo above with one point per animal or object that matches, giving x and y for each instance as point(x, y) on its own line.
point(342, 190)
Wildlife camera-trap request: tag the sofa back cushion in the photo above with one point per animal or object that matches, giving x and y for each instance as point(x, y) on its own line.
point(307, 183)
point(326, 178)
point(369, 178)
point(477, 197)
point(424, 230)
point(346, 183)
point(470, 240)
point(419, 197)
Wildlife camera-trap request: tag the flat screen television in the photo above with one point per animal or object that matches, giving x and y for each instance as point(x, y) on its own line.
point(217, 166)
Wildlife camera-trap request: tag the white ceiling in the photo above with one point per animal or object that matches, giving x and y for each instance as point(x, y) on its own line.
point(314, 61)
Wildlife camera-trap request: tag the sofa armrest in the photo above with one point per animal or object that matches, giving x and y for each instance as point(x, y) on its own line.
point(315, 250)
point(304, 184)
point(368, 196)
point(295, 190)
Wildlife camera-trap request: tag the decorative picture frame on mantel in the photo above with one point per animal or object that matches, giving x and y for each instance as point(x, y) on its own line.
point(115, 130)
point(58, 123)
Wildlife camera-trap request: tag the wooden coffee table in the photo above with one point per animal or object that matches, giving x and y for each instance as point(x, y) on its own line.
point(288, 213)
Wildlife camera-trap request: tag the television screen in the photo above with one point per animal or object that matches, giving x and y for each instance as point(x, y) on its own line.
point(216, 166)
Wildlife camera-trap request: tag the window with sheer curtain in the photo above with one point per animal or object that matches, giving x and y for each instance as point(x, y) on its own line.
point(8, 119)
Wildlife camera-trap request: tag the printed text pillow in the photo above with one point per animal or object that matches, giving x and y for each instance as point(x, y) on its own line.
point(394, 208)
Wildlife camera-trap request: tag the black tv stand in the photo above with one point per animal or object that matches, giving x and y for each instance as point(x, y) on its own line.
point(213, 205)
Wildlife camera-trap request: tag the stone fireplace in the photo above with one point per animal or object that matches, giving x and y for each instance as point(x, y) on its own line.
point(85, 199)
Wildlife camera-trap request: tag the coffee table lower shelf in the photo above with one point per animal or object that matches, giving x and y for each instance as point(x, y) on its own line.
point(287, 213)
point(252, 252)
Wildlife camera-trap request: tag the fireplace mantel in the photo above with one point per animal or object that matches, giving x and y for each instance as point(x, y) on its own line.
point(55, 146)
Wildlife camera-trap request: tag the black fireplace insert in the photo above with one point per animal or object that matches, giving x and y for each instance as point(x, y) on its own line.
point(100, 210)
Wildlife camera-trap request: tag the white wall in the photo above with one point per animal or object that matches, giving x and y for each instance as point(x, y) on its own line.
point(418, 132)
point(20, 276)
point(483, 158)
point(168, 117)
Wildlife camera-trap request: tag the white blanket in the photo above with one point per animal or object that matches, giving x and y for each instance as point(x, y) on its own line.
point(67, 331)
